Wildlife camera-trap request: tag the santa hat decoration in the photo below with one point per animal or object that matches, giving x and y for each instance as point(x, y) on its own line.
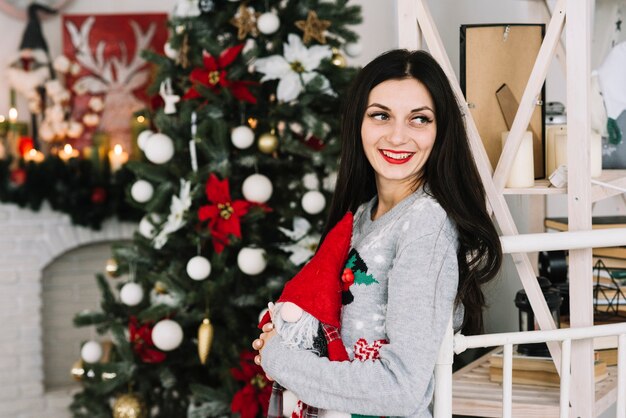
point(317, 287)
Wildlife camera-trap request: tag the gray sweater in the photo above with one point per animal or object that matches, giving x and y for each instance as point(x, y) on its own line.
point(405, 282)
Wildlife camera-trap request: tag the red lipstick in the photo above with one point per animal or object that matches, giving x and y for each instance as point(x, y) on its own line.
point(396, 157)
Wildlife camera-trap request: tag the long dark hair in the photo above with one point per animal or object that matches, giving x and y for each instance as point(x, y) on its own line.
point(450, 173)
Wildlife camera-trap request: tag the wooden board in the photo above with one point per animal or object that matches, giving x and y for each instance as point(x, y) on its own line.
point(474, 395)
point(489, 59)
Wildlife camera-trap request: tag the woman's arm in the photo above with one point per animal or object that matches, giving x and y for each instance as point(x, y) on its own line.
point(422, 288)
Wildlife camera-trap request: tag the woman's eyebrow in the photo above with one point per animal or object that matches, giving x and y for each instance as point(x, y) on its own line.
point(419, 109)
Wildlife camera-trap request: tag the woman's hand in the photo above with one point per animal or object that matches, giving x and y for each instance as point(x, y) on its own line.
point(266, 335)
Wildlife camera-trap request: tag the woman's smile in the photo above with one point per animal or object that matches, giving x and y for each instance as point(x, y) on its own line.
point(396, 157)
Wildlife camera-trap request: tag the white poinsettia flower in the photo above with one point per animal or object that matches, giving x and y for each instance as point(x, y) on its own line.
point(302, 250)
point(305, 245)
point(300, 227)
point(175, 220)
point(295, 69)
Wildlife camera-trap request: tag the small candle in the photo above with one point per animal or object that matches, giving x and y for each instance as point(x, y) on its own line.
point(12, 115)
point(522, 172)
point(551, 132)
point(595, 152)
point(68, 152)
point(117, 157)
point(34, 156)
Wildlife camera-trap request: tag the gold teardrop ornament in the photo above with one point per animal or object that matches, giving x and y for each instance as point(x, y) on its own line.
point(205, 340)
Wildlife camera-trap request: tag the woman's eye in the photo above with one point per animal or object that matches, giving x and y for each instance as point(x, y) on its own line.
point(421, 120)
point(379, 116)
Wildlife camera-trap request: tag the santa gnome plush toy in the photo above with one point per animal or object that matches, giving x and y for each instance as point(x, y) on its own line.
point(307, 314)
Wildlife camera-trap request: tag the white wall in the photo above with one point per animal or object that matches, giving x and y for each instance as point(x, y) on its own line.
point(377, 31)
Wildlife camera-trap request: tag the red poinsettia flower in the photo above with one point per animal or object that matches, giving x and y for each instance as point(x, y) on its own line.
point(223, 214)
point(213, 76)
point(141, 341)
point(255, 395)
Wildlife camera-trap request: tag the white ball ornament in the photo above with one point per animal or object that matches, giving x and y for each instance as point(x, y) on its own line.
point(159, 148)
point(170, 51)
point(198, 268)
point(268, 23)
point(242, 137)
point(313, 202)
point(167, 335)
point(353, 49)
point(91, 352)
point(131, 294)
point(251, 260)
point(257, 188)
point(142, 191)
point(290, 401)
point(146, 225)
point(142, 138)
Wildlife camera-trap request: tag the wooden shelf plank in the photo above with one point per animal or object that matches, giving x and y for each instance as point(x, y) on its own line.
point(614, 177)
point(543, 186)
point(473, 394)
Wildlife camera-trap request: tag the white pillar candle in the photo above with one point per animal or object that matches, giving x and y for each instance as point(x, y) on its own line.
point(522, 172)
point(595, 149)
point(551, 132)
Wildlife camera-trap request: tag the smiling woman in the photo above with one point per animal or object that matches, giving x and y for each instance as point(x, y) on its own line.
point(422, 244)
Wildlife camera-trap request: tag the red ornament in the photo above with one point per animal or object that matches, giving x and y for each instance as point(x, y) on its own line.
point(347, 276)
point(141, 341)
point(255, 395)
point(17, 176)
point(222, 213)
point(24, 145)
point(213, 76)
point(98, 195)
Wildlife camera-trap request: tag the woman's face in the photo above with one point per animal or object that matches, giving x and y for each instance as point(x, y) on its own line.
point(398, 132)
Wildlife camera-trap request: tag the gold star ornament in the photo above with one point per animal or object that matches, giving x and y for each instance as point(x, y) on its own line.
point(313, 28)
point(245, 22)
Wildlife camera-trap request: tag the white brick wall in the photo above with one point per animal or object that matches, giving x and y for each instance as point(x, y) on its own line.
point(29, 242)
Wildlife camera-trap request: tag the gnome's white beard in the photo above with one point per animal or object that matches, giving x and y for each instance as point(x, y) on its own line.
point(299, 334)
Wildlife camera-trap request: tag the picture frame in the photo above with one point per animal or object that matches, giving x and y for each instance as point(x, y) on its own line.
point(496, 58)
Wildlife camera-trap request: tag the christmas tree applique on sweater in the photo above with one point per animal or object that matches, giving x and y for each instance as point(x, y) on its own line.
point(355, 272)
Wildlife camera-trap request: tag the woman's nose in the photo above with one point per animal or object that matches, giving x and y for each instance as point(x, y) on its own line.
point(398, 134)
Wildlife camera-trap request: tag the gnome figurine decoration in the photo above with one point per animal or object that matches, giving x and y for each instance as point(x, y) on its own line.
point(307, 314)
point(28, 72)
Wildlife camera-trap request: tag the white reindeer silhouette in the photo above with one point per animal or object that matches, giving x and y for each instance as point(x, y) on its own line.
point(115, 78)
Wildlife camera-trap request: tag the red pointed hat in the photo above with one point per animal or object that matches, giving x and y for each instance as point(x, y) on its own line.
point(317, 287)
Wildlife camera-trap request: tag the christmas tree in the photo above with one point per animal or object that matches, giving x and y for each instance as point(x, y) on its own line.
point(239, 167)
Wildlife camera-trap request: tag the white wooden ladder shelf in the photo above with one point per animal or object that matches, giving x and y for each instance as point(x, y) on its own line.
point(414, 23)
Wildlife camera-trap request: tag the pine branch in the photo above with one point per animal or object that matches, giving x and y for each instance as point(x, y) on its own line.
point(87, 318)
point(121, 342)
